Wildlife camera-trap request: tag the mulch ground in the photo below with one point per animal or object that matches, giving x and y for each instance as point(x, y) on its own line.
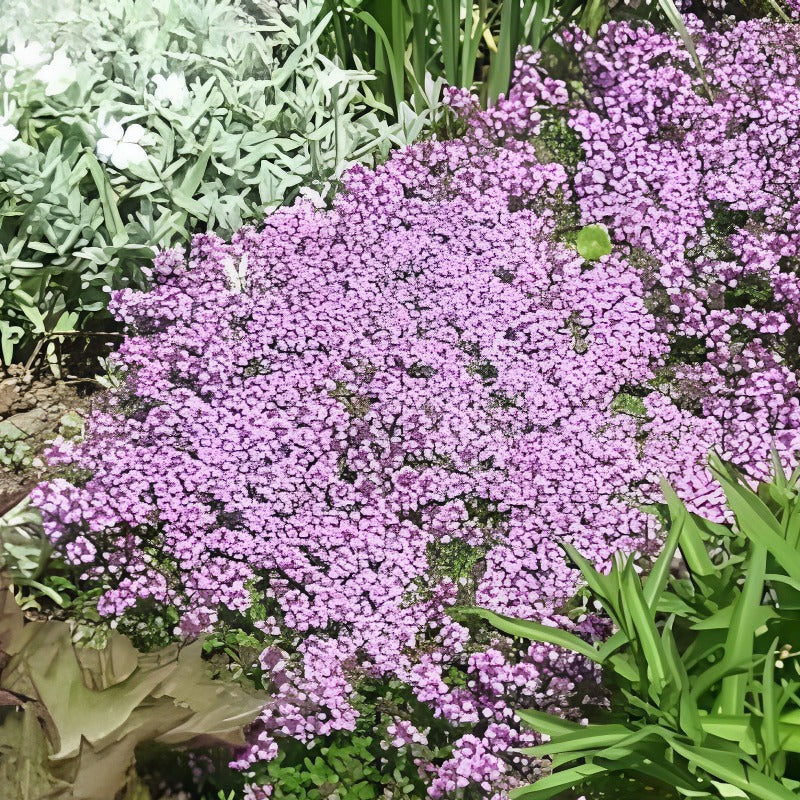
point(33, 411)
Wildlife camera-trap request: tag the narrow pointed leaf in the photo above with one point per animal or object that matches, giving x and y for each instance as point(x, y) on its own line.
point(535, 631)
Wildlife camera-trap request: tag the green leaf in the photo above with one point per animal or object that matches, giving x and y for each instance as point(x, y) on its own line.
point(503, 61)
point(554, 784)
point(726, 790)
point(657, 580)
point(739, 642)
point(643, 619)
point(769, 725)
point(550, 724)
point(593, 242)
point(674, 16)
point(108, 199)
point(730, 769)
point(585, 741)
point(535, 631)
point(194, 175)
point(723, 619)
point(789, 731)
point(689, 717)
point(691, 541)
point(604, 587)
point(29, 309)
point(736, 728)
point(756, 521)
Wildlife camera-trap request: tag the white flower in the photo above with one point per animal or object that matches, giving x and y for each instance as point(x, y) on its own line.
point(23, 55)
point(121, 145)
point(7, 135)
point(237, 276)
point(58, 75)
point(313, 196)
point(171, 90)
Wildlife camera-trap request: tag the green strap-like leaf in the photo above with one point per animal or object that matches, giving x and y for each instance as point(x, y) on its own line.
point(108, 199)
point(676, 20)
point(585, 741)
point(604, 587)
point(647, 638)
point(756, 521)
point(727, 767)
point(551, 785)
point(688, 713)
point(749, 508)
point(738, 651)
point(657, 580)
point(558, 728)
point(690, 542)
point(535, 631)
point(503, 60)
point(737, 728)
point(770, 733)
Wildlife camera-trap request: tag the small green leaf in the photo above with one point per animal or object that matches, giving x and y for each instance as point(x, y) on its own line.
point(594, 242)
point(554, 784)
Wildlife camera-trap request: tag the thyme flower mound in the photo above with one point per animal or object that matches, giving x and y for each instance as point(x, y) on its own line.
point(321, 410)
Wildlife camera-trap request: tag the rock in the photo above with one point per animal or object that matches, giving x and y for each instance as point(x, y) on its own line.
point(9, 394)
point(9, 433)
point(29, 422)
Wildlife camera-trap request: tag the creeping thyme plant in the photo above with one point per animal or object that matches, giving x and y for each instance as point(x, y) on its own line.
point(337, 426)
point(140, 125)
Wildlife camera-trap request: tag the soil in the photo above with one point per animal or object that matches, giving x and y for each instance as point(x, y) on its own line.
point(33, 411)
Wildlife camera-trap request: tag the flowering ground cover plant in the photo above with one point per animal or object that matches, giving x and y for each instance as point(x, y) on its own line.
point(137, 127)
point(355, 450)
point(337, 426)
point(704, 196)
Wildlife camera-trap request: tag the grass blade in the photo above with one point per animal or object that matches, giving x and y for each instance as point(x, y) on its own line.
point(503, 61)
point(676, 20)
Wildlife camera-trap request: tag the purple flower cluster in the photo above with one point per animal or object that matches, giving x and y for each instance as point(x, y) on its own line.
point(702, 193)
point(359, 417)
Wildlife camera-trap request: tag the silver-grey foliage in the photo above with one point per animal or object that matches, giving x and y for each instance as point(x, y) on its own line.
point(130, 129)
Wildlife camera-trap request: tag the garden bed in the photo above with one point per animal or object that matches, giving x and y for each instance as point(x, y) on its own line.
point(460, 473)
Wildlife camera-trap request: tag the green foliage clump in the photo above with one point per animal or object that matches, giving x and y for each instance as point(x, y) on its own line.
point(558, 142)
point(704, 663)
point(345, 769)
point(129, 130)
point(465, 43)
point(15, 451)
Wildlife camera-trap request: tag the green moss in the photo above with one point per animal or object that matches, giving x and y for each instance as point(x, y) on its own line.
point(688, 350)
point(751, 290)
point(558, 142)
point(724, 222)
point(484, 369)
point(633, 405)
point(454, 559)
